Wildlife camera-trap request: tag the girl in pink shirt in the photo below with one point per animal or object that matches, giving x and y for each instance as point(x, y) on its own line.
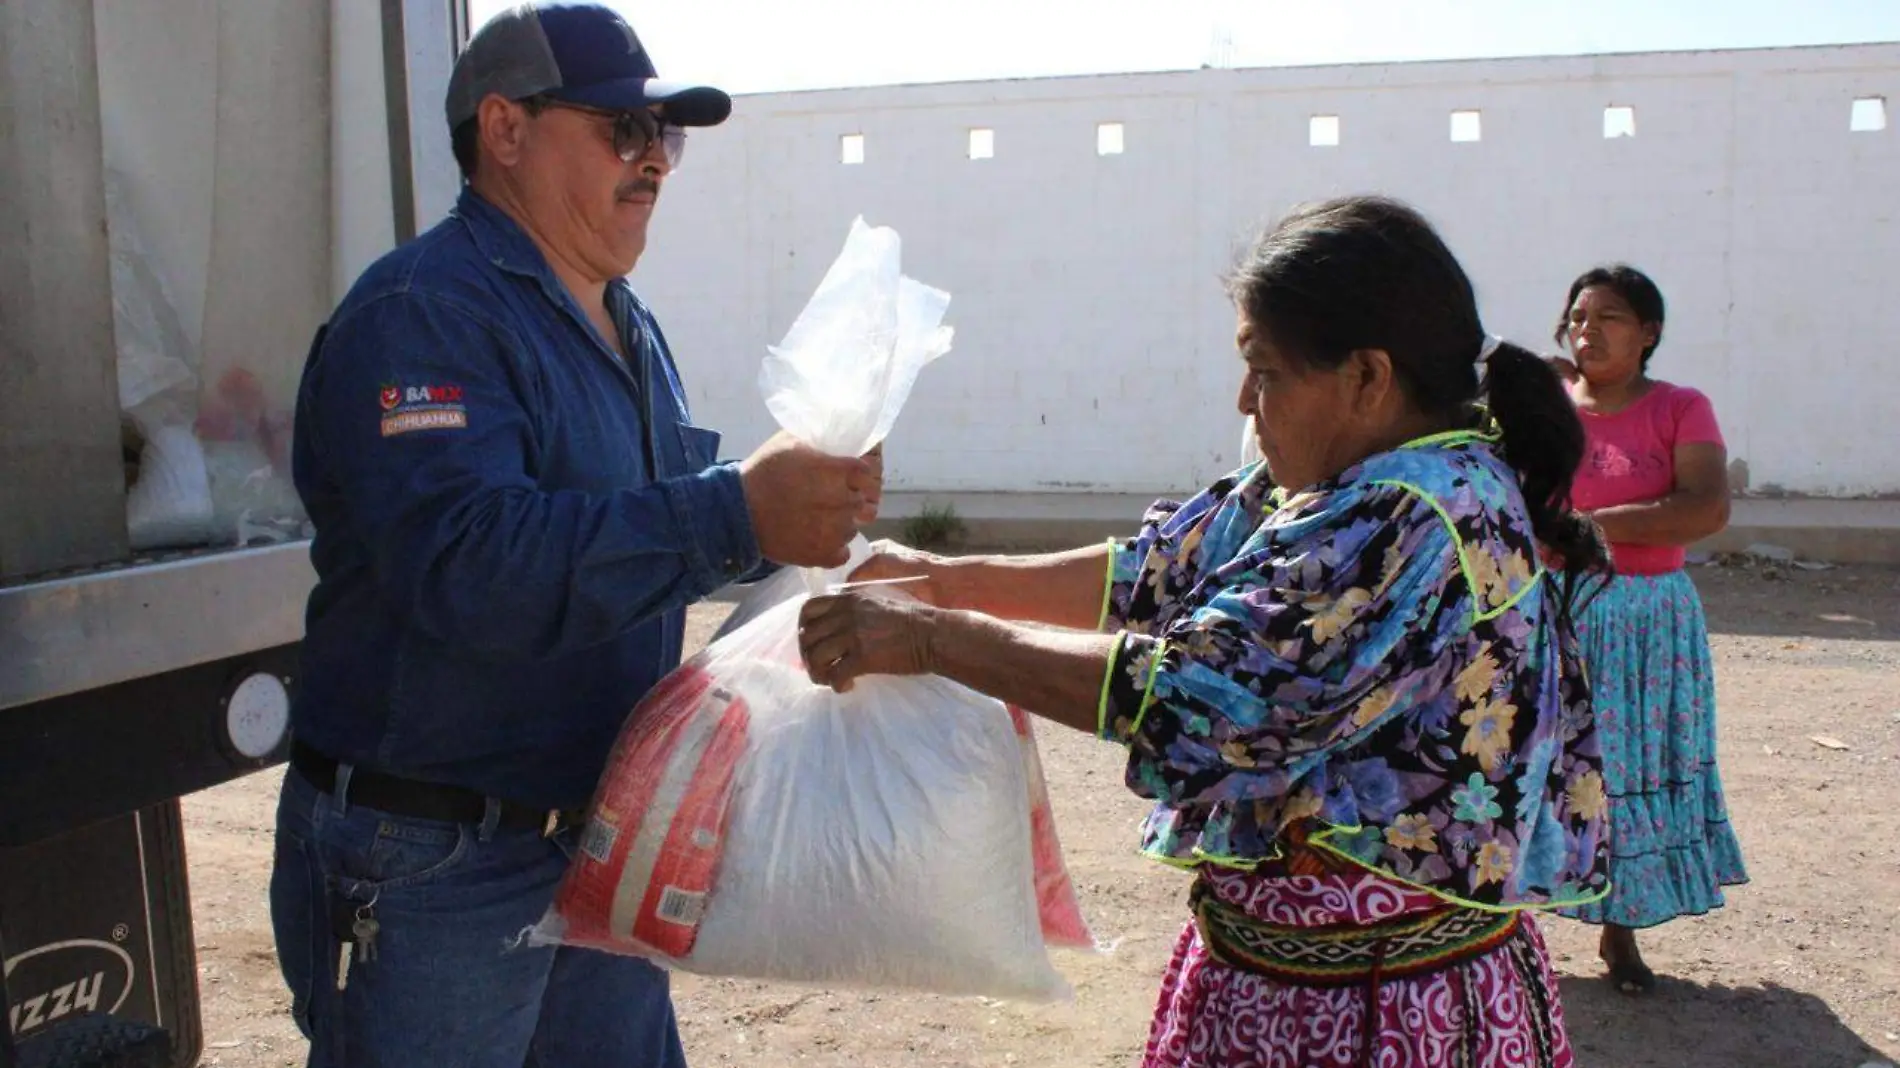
point(1654, 477)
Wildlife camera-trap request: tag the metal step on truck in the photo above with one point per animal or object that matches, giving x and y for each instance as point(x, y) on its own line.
point(186, 188)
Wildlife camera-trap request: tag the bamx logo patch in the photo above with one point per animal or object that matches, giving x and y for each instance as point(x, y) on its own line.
point(432, 395)
point(411, 408)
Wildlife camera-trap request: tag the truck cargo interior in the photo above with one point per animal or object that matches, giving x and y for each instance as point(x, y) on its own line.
point(188, 188)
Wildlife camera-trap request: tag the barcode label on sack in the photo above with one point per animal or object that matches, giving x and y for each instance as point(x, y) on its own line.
point(598, 840)
point(681, 906)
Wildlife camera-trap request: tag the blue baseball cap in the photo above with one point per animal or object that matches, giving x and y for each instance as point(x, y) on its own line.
point(577, 52)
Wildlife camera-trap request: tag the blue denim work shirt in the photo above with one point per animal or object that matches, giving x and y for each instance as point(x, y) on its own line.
point(510, 520)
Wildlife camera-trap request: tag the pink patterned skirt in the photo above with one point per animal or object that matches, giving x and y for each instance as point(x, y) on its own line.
point(1497, 1009)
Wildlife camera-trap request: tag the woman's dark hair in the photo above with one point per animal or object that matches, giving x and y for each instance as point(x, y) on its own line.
point(1368, 272)
point(466, 139)
point(1636, 289)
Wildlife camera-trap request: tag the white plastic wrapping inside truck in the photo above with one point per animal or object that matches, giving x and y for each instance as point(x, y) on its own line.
point(244, 159)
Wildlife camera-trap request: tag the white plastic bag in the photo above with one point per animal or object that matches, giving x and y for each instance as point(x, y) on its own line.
point(846, 367)
point(253, 499)
point(752, 824)
point(171, 503)
point(789, 582)
point(841, 376)
point(247, 441)
point(158, 380)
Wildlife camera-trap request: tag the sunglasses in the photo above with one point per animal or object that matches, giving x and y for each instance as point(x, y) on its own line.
point(634, 132)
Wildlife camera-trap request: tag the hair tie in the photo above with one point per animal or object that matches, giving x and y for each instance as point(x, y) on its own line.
point(1490, 345)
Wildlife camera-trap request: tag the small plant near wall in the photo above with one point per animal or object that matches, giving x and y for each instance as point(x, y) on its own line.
point(933, 527)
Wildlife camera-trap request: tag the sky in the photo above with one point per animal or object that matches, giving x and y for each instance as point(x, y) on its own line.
point(757, 46)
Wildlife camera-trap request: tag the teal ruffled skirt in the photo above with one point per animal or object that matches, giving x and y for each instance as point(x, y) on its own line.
point(1646, 644)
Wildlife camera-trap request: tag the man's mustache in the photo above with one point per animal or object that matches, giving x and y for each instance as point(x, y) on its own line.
point(638, 187)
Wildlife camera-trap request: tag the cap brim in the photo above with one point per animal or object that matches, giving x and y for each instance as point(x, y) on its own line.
point(683, 105)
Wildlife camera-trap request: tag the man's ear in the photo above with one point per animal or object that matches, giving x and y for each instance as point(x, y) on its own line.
point(503, 128)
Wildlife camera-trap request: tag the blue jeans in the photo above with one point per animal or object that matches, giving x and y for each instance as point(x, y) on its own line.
point(452, 984)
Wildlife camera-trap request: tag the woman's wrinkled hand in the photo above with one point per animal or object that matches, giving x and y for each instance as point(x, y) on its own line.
point(843, 636)
point(920, 572)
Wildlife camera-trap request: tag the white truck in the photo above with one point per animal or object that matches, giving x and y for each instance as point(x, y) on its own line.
point(186, 188)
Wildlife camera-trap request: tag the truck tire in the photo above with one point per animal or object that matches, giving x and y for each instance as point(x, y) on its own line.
point(98, 1041)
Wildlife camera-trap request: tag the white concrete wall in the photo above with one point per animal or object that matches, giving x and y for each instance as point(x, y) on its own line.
point(1094, 344)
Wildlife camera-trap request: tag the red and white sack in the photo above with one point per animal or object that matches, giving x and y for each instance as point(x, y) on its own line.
point(1058, 910)
point(753, 825)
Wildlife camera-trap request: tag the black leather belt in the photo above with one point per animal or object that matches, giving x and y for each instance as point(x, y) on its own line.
point(426, 800)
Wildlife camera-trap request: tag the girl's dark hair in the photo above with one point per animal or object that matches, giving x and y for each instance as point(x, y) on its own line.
point(1368, 272)
point(1636, 289)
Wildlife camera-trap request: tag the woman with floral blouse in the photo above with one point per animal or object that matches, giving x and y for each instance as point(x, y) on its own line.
point(1342, 673)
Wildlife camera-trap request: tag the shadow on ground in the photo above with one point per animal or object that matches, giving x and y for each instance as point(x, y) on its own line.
point(1689, 1025)
point(1860, 603)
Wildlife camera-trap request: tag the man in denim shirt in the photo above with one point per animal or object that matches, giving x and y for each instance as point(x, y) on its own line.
point(513, 510)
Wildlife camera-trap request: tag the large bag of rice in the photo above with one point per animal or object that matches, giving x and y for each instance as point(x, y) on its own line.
point(894, 837)
point(752, 824)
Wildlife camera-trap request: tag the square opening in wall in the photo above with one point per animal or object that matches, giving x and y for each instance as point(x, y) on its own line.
point(1466, 126)
point(982, 143)
point(1868, 115)
point(851, 148)
point(1322, 131)
point(1108, 139)
point(1619, 121)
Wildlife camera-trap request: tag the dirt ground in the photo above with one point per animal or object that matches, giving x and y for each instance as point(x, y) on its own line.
point(1802, 968)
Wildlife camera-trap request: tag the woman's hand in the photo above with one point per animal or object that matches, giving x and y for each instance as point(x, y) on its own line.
point(882, 631)
point(1552, 560)
point(920, 571)
point(864, 632)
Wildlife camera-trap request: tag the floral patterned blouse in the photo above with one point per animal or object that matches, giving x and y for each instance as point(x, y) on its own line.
point(1376, 659)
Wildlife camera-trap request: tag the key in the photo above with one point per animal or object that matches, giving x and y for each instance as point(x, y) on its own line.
point(365, 929)
point(345, 953)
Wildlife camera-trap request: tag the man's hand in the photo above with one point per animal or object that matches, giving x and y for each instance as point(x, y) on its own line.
point(804, 504)
point(874, 489)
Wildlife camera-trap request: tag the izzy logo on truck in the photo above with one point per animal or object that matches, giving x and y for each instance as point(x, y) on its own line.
point(63, 979)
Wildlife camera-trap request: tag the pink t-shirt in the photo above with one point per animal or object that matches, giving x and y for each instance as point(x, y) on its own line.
point(1631, 456)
